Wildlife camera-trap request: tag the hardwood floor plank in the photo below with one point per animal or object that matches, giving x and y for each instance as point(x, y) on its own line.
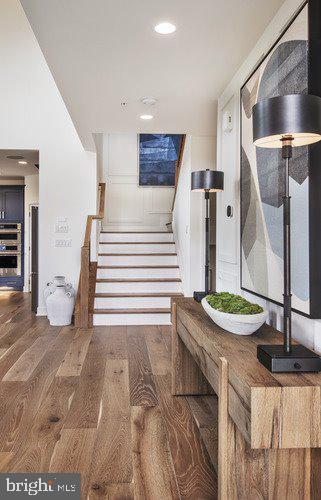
point(5, 329)
point(141, 382)
point(16, 348)
point(166, 332)
point(72, 363)
point(12, 332)
point(158, 354)
point(73, 453)
point(85, 407)
point(22, 369)
point(195, 474)
point(116, 342)
point(20, 401)
point(112, 461)
point(5, 458)
point(116, 396)
point(120, 491)
point(154, 475)
point(36, 449)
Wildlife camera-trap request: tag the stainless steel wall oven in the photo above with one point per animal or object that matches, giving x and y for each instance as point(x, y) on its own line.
point(10, 249)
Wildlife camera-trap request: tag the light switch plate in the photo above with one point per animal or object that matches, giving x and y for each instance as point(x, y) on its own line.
point(61, 227)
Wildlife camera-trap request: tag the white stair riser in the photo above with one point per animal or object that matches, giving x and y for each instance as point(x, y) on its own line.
point(132, 248)
point(137, 273)
point(136, 237)
point(138, 287)
point(132, 302)
point(132, 319)
point(137, 260)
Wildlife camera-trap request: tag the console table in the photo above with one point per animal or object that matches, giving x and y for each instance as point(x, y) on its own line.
point(269, 425)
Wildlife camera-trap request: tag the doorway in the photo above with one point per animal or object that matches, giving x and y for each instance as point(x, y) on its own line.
point(19, 198)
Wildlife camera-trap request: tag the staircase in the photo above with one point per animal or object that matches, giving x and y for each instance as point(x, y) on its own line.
point(137, 275)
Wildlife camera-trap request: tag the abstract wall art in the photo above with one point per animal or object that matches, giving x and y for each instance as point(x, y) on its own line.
point(286, 69)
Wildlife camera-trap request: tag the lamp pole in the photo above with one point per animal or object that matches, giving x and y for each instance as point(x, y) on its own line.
point(207, 242)
point(287, 296)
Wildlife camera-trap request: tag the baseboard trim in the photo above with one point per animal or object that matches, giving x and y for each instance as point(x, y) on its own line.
point(41, 311)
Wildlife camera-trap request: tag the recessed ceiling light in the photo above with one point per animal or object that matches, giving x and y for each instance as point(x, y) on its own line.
point(165, 28)
point(146, 117)
point(22, 162)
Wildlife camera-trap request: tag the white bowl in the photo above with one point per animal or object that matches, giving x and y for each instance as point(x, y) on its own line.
point(241, 324)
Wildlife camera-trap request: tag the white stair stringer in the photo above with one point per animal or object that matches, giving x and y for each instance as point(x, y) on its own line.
point(137, 275)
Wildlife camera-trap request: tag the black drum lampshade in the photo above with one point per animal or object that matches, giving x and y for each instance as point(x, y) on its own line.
point(296, 115)
point(207, 180)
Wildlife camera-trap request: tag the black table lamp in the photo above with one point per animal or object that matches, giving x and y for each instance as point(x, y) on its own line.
point(207, 181)
point(286, 122)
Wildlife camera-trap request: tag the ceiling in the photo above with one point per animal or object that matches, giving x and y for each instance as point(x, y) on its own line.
point(104, 52)
point(11, 169)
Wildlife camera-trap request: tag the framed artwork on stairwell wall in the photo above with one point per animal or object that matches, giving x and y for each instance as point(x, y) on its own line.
point(290, 67)
point(158, 157)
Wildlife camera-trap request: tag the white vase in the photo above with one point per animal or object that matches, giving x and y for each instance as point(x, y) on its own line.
point(58, 281)
point(60, 305)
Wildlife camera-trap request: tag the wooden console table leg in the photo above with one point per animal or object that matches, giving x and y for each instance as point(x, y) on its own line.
point(271, 474)
point(187, 378)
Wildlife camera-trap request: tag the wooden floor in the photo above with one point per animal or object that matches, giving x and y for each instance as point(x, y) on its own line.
point(99, 402)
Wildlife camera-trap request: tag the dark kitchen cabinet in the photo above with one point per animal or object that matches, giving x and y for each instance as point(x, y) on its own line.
point(12, 211)
point(11, 203)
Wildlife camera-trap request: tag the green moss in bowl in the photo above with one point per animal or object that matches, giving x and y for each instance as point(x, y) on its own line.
point(232, 304)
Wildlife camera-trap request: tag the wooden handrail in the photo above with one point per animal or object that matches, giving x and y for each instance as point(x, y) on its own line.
point(99, 216)
point(178, 167)
point(83, 309)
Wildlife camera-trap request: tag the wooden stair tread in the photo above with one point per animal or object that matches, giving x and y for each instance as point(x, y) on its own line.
point(150, 294)
point(138, 267)
point(136, 243)
point(136, 254)
point(161, 310)
point(138, 280)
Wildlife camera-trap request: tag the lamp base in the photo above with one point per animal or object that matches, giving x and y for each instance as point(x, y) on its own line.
point(199, 296)
point(277, 360)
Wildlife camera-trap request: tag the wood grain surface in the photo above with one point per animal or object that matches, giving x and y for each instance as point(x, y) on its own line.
point(98, 401)
point(268, 424)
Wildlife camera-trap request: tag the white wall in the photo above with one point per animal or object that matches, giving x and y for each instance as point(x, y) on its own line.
point(127, 204)
point(189, 213)
point(33, 116)
point(31, 198)
point(228, 157)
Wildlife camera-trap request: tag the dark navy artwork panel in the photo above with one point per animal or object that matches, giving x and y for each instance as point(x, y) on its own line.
point(158, 156)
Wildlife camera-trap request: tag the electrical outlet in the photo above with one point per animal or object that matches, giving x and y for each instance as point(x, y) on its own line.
point(63, 243)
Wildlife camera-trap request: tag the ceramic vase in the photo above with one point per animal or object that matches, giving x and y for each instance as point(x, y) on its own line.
point(60, 306)
point(57, 281)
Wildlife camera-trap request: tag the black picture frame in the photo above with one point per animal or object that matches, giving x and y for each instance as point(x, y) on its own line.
point(314, 163)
